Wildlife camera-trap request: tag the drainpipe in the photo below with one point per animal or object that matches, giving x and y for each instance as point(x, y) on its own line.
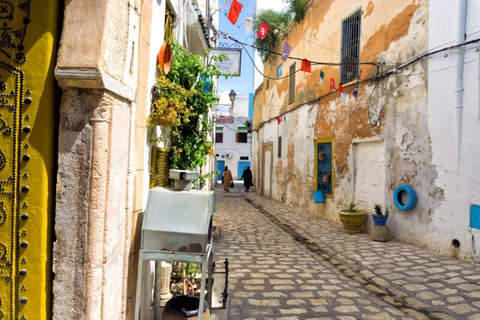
point(459, 60)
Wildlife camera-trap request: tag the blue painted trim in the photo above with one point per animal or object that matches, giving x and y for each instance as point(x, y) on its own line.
point(412, 197)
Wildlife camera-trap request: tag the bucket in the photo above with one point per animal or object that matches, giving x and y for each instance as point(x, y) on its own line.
point(184, 307)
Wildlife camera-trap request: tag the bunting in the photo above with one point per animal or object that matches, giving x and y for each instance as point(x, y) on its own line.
point(322, 77)
point(286, 51)
point(332, 84)
point(306, 66)
point(262, 30)
point(235, 9)
point(248, 25)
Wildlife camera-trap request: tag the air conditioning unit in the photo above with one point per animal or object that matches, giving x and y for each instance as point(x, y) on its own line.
point(229, 155)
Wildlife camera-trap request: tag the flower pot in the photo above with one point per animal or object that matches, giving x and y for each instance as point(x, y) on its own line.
point(379, 220)
point(352, 221)
point(380, 233)
point(164, 57)
point(322, 156)
point(184, 307)
point(326, 177)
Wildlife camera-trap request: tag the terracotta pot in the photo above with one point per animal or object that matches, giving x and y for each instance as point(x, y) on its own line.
point(353, 221)
point(164, 57)
point(322, 156)
point(326, 177)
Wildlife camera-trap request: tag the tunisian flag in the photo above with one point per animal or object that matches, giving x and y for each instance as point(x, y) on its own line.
point(234, 11)
point(262, 30)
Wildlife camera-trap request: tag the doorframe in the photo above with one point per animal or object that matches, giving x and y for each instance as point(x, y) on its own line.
point(266, 147)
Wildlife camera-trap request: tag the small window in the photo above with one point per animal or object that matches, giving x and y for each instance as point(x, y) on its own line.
point(242, 137)
point(243, 158)
point(219, 137)
point(279, 70)
point(279, 151)
point(222, 156)
point(217, 155)
point(291, 85)
point(324, 166)
point(350, 48)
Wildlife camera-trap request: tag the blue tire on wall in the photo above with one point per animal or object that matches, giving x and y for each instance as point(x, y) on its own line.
point(412, 197)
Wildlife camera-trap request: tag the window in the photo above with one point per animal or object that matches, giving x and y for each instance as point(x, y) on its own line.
point(279, 150)
point(324, 166)
point(219, 134)
point(218, 137)
point(243, 158)
point(242, 137)
point(291, 85)
point(350, 47)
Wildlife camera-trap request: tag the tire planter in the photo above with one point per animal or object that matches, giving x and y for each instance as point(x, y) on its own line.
point(353, 221)
point(412, 197)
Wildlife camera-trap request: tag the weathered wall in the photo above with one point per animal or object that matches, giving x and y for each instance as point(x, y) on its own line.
point(96, 69)
point(454, 86)
point(409, 114)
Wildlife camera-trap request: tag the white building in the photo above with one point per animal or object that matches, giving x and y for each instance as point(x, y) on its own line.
point(233, 138)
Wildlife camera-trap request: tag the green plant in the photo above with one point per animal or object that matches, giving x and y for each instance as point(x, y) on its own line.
point(352, 207)
point(386, 211)
point(378, 209)
point(188, 86)
point(278, 21)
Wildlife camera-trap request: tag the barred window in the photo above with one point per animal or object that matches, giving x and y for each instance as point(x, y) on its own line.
point(350, 48)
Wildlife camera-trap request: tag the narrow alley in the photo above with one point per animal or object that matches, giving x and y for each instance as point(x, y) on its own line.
point(286, 264)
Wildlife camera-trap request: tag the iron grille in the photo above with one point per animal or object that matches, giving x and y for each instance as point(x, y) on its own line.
point(350, 48)
point(291, 85)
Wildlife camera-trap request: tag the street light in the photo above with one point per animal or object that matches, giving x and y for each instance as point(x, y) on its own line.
point(232, 96)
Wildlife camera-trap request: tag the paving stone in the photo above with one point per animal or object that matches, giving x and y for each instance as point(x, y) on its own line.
point(462, 308)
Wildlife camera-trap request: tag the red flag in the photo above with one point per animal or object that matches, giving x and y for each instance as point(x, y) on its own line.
point(279, 120)
point(332, 84)
point(306, 66)
point(262, 30)
point(234, 11)
point(340, 89)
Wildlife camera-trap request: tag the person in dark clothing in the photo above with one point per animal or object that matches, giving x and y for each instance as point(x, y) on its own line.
point(247, 179)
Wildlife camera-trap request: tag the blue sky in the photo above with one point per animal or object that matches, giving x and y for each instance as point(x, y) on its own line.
point(244, 83)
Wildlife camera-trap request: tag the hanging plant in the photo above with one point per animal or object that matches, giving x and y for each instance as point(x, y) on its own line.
point(182, 101)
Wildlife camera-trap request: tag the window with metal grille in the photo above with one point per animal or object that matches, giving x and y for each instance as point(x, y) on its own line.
point(291, 85)
point(159, 168)
point(279, 151)
point(242, 137)
point(243, 158)
point(350, 47)
point(219, 137)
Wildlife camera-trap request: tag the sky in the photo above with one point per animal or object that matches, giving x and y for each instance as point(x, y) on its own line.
point(244, 83)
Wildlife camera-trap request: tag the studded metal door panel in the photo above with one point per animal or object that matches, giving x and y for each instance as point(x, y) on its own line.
point(27, 144)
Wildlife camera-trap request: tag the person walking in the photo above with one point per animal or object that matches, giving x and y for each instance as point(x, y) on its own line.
point(227, 179)
point(247, 179)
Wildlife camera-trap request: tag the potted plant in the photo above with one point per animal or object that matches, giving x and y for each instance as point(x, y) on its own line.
point(379, 228)
point(352, 218)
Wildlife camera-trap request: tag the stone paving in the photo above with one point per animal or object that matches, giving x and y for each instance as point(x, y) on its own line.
point(287, 264)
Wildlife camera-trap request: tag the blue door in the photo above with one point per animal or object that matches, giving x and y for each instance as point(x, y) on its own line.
point(220, 168)
point(242, 166)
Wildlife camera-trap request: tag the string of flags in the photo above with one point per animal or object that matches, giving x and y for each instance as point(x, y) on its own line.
point(306, 65)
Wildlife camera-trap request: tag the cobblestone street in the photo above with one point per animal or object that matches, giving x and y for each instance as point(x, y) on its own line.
point(286, 264)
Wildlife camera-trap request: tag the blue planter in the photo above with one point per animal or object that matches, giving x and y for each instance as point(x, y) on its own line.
point(379, 220)
point(318, 196)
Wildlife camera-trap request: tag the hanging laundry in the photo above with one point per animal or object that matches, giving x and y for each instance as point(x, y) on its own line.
point(340, 90)
point(234, 11)
point(306, 66)
point(279, 120)
point(343, 97)
point(286, 51)
point(322, 77)
point(262, 30)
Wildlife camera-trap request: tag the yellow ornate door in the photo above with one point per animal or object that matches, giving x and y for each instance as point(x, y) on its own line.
point(27, 146)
